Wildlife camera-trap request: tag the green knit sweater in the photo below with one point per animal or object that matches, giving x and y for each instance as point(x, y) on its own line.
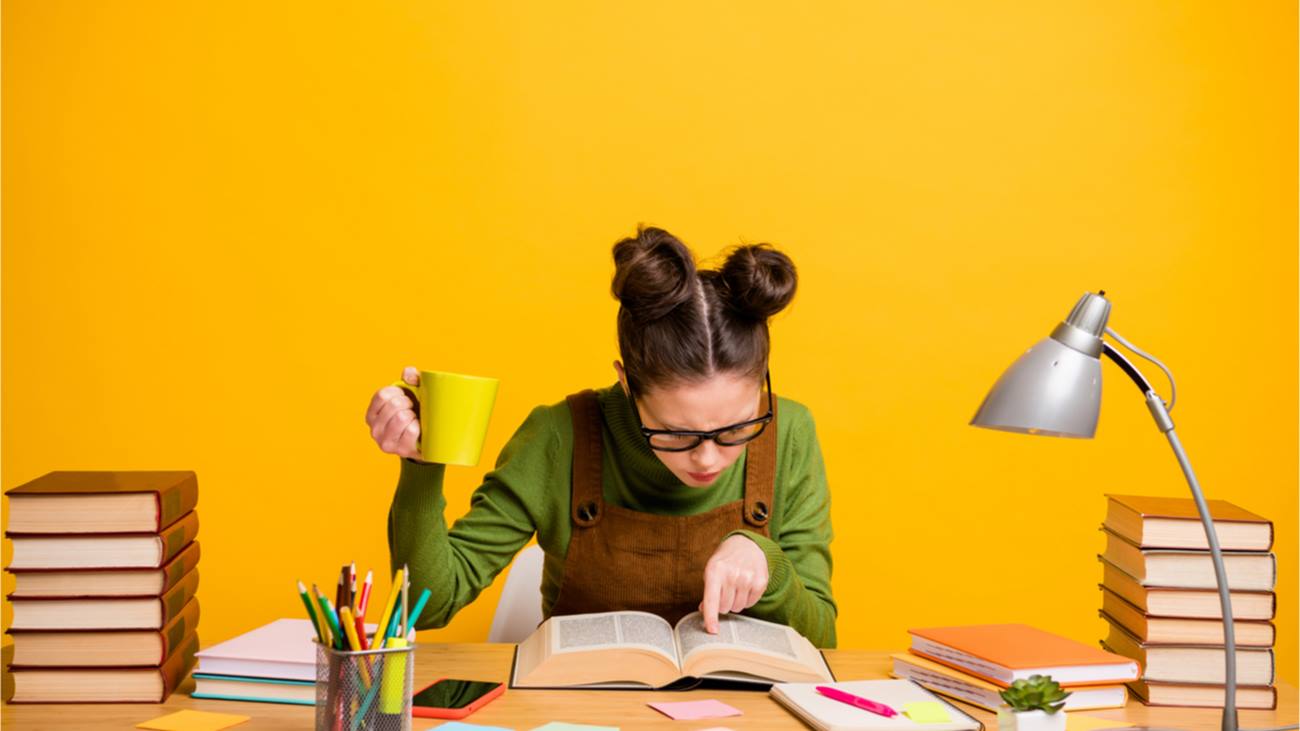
point(529, 492)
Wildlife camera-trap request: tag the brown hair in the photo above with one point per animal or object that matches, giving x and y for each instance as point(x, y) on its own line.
point(677, 324)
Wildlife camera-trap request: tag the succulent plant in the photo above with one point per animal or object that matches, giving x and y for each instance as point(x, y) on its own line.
point(1038, 693)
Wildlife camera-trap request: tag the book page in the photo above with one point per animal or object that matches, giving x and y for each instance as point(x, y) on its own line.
point(579, 632)
point(734, 630)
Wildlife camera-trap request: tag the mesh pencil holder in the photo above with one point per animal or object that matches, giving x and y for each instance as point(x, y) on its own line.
point(368, 689)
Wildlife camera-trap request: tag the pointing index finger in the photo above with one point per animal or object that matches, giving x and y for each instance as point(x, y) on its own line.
point(709, 607)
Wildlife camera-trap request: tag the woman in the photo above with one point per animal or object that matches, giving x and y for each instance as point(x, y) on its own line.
point(685, 486)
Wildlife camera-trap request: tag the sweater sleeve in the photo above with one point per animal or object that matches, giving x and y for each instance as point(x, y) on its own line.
point(457, 564)
point(798, 553)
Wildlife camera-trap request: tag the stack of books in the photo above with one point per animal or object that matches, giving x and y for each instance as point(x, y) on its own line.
point(105, 567)
point(975, 663)
point(1160, 598)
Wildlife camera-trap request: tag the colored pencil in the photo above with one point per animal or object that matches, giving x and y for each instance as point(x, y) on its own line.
point(326, 629)
point(349, 627)
point(306, 602)
point(419, 607)
point(406, 588)
point(361, 631)
point(340, 641)
point(364, 602)
point(388, 607)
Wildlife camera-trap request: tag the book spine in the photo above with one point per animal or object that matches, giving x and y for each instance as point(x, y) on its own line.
point(174, 601)
point(177, 537)
point(178, 666)
point(178, 500)
point(178, 567)
point(185, 623)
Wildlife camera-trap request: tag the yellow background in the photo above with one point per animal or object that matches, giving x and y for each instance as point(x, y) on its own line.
point(226, 224)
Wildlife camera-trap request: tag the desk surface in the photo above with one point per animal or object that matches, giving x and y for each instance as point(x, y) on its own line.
point(524, 709)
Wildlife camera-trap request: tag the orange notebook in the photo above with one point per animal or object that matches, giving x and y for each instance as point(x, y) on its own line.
point(1004, 653)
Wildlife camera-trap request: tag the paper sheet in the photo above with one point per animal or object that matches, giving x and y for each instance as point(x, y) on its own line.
point(1075, 722)
point(926, 712)
point(193, 721)
point(562, 726)
point(692, 710)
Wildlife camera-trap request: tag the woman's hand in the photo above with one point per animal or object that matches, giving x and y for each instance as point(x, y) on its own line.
point(391, 418)
point(734, 579)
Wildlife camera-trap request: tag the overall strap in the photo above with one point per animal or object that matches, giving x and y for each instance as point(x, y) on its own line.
point(760, 475)
point(587, 496)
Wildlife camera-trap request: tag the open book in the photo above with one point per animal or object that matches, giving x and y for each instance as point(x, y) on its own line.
point(640, 650)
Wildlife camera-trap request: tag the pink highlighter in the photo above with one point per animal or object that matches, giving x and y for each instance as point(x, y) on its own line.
point(856, 701)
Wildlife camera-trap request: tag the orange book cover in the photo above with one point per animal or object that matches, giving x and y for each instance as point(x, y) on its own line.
point(1007, 648)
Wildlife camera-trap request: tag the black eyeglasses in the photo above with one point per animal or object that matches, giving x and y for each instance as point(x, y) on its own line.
point(668, 440)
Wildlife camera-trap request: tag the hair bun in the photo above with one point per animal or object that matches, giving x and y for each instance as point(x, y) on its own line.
point(758, 281)
point(653, 273)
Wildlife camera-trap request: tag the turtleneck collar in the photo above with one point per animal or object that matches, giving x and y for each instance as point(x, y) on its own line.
point(647, 484)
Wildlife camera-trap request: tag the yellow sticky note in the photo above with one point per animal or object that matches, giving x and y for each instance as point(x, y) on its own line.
point(193, 721)
point(1075, 722)
point(926, 712)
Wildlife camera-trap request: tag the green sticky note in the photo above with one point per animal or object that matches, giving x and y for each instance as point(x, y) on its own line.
point(927, 712)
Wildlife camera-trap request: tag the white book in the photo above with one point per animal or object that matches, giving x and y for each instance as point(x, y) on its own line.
point(282, 650)
point(826, 714)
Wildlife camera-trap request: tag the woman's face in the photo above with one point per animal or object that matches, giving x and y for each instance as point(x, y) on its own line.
point(720, 400)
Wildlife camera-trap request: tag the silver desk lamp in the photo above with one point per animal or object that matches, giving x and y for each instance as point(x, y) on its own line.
point(1054, 389)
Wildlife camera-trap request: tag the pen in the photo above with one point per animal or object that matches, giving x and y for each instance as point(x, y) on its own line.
point(879, 709)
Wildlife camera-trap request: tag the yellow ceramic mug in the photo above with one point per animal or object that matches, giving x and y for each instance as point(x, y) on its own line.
point(454, 411)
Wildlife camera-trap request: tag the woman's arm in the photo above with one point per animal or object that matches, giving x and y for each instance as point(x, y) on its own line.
point(798, 553)
point(457, 564)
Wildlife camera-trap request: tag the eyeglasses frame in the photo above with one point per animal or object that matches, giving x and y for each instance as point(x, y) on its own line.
point(703, 435)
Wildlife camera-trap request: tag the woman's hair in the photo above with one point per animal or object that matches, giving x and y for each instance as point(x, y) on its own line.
point(679, 324)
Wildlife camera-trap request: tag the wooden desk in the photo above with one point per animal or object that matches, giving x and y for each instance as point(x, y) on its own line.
point(526, 709)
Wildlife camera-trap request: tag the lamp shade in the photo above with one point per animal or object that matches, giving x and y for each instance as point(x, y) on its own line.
point(1052, 389)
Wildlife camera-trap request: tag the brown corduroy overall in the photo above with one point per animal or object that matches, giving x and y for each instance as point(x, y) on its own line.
point(622, 559)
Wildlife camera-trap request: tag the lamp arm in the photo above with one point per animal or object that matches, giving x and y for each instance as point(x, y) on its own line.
point(1161, 414)
point(1173, 388)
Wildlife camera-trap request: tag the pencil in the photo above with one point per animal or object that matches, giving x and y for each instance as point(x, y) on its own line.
point(364, 602)
point(352, 574)
point(340, 642)
point(324, 624)
point(388, 608)
point(349, 627)
point(419, 607)
point(406, 588)
point(306, 602)
point(361, 631)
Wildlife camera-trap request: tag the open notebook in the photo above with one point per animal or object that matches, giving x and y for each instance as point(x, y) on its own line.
point(825, 714)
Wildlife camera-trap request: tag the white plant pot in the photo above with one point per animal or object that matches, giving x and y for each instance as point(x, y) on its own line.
point(1030, 720)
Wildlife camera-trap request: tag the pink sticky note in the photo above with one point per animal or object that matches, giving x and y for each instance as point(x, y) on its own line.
point(691, 710)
